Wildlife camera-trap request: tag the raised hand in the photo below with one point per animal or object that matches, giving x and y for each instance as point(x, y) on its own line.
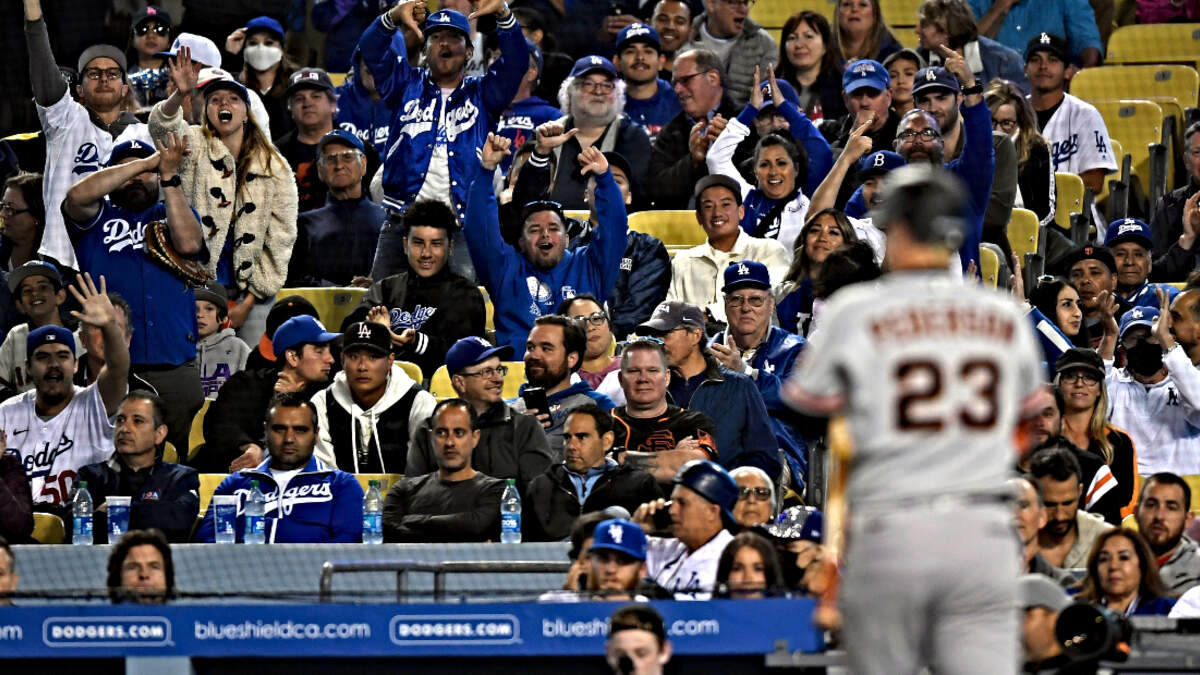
point(1018, 280)
point(235, 41)
point(859, 142)
point(495, 149)
point(170, 154)
point(184, 71)
point(593, 161)
point(776, 94)
point(1162, 328)
point(1191, 222)
point(715, 127)
point(756, 97)
point(484, 7)
point(405, 13)
point(98, 310)
point(697, 143)
point(550, 135)
point(957, 65)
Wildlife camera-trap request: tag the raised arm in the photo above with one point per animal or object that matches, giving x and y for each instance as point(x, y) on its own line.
point(720, 154)
point(98, 311)
point(48, 84)
point(482, 224)
point(83, 200)
point(612, 225)
point(503, 77)
point(859, 144)
point(389, 67)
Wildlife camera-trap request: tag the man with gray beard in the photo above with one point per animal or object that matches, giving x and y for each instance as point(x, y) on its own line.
point(593, 97)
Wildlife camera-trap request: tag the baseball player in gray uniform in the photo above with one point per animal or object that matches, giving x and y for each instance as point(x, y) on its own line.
point(932, 378)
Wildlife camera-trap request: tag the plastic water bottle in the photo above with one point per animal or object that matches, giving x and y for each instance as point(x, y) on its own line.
point(81, 512)
point(256, 506)
point(510, 514)
point(373, 515)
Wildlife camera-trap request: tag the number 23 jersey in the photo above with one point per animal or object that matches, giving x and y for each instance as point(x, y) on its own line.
point(932, 376)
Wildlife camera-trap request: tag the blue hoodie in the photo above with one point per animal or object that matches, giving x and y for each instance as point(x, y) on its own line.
point(320, 505)
point(357, 113)
point(518, 122)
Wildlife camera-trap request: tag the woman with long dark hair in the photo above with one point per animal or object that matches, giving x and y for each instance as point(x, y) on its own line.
point(825, 232)
point(1123, 576)
point(809, 60)
point(1012, 114)
point(22, 220)
point(748, 568)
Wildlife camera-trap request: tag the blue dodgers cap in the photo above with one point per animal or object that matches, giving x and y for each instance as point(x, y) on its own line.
point(536, 52)
point(134, 148)
point(1138, 316)
point(298, 330)
point(798, 523)
point(1129, 229)
point(748, 273)
point(638, 32)
point(46, 335)
point(620, 535)
point(878, 163)
point(447, 19)
point(588, 64)
point(471, 350)
point(340, 136)
point(865, 73)
point(935, 77)
point(786, 90)
point(265, 23)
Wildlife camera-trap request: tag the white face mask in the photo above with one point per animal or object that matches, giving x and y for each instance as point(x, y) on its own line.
point(262, 57)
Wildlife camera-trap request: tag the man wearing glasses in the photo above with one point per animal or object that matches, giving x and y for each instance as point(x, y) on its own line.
point(742, 45)
point(1176, 219)
point(510, 445)
point(79, 136)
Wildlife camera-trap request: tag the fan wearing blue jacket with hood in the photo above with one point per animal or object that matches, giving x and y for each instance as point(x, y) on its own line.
point(441, 117)
point(360, 109)
point(529, 283)
point(307, 501)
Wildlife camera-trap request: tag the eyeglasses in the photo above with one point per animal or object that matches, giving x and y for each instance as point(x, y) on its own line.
point(1080, 377)
point(488, 373)
point(686, 80)
point(754, 301)
point(347, 157)
point(1006, 126)
point(11, 210)
point(599, 86)
point(158, 29)
point(925, 134)
point(95, 74)
point(595, 318)
point(762, 493)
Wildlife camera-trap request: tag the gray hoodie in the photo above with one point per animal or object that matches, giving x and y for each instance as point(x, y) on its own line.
point(217, 357)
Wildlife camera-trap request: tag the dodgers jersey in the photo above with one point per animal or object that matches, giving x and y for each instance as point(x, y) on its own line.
point(690, 576)
point(932, 376)
point(1079, 138)
point(53, 450)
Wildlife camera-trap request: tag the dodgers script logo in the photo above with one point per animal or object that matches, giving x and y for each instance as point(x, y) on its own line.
point(416, 120)
point(414, 319)
point(87, 159)
point(38, 463)
point(119, 235)
point(460, 119)
point(317, 493)
point(1064, 150)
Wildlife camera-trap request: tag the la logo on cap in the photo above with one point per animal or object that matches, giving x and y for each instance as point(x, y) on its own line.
point(930, 76)
point(364, 331)
point(50, 337)
point(1137, 313)
point(615, 533)
point(664, 308)
point(442, 18)
point(480, 341)
point(1044, 39)
point(742, 270)
point(597, 61)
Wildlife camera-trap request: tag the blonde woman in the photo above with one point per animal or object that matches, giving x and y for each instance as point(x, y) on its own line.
point(860, 32)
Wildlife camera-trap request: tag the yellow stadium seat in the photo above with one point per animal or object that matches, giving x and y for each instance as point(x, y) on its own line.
point(170, 454)
point(1023, 231)
point(333, 304)
point(489, 310)
point(1181, 83)
point(412, 370)
point(514, 379)
point(673, 228)
point(989, 267)
point(1138, 124)
point(48, 529)
point(1155, 43)
point(579, 214)
point(196, 434)
point(906, 37)
point(338, 79)
point(899, 13)
point(208, 485)
point(386, 480)
point(1069, 189)
point(775, 13)
point(1119, 156)
point(439, 384)
point(1193, 481)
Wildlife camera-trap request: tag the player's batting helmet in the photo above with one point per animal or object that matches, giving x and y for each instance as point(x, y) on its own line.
point(931, 202)
point(712, 482)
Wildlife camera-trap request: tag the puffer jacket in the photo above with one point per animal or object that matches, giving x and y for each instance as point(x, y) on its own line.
point(265, 209)
point(752, 47)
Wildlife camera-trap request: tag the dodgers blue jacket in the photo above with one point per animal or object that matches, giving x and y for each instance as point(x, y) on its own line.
point(357, 113)
point(518, 123)
point(320, 505)
point(774, 360)
point(472, 110)
point(521, 292)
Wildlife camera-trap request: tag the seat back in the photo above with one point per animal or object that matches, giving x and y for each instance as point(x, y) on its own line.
point(989, 266)
point(386, 480)
point(673, 228)
point(514, 379)
point(48, 529)
point(901, 16)
point(1023, 232)
point(196, 434)
point(208, 485)
point(1069, 190)
point(412, 370)
point(1139, 125)
point(775, 13)
point(333, 304)
point(1155, 43)
point(1181, 83)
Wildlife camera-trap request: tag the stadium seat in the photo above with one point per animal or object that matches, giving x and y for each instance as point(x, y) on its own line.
point(338, 79)
point(902, 13)
point(1155, 43)
point(48, 529)
point(577, 214)
point(439, 384)
point(514, 379)
point(1119, 156)
point(1023, 232)
point(1181, 83)
point(386, 480)
point(333, 304)
point(906, 36)
point(412, 370)
point(989, 267)
point(196, 434)
point(775, 13)
point(1069, 189)
point(208, 485)
point(170, 454)
point(1139, 125)
point(673, 228)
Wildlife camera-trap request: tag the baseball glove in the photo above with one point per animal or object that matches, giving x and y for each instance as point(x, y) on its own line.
point(160, 250)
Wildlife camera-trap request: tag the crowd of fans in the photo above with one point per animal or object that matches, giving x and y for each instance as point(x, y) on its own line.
point(179, 184)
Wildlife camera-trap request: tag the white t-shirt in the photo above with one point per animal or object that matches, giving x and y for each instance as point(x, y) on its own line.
point(13, 368)
point(53, 450)
point(282, 478)
point(690, 576)
point(75, 147)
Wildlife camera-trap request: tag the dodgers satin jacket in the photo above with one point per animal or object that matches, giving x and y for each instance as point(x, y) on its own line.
point(472, 110)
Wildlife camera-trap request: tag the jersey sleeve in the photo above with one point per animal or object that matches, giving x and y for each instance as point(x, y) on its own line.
point(1095, 145)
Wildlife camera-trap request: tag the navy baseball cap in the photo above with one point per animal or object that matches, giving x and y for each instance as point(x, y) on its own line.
point(786, 90)
point(48, 335)
point(447, 19)
point(1048, 42)
point(133, 148)
point(935, 77)
point(1138, 316)
point(865, 73)
point(471, 350)
point(265, 23)
point(589, 64)
point(1082, 359)
point(1101, 253)
point(670, 315)
point(1129, 229)
point(298, 330)
point(638, 32)
point(798, 523)
point(309, 78)
point(34, 268)
point(340, 136)
point(620, 535)
point(878, 163)
point(746, 273)
point(152, 13)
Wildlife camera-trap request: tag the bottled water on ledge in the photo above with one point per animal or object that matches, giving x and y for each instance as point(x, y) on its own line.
point(510, 514)
point(373, 515)
point(81, 516)
point(256, 506)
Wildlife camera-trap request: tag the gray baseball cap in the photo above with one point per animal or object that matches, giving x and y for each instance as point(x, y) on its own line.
point(1039, 590)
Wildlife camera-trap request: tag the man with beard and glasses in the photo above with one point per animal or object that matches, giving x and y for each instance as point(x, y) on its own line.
point(1067, 537)
point(109, 215)
point(1163, 515)
point(673, 21)
point(1154, 397)
point(441, 116)
point(530, 281)
point(58, 427)
point(553, 354)
point(455, 503)
point(81, 133)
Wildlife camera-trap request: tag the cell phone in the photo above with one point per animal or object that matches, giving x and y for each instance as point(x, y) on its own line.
point(617, 9)
point(662, 518)
point(535, 399)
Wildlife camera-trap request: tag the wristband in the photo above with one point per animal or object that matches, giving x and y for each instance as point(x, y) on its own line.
point(976, 88)
point(173, 181)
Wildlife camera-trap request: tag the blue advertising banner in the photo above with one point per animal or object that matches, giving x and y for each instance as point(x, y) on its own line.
point(508, 629)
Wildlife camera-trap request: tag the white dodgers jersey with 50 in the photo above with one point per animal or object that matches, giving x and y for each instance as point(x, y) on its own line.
point(932, 376)
point(52, 451)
